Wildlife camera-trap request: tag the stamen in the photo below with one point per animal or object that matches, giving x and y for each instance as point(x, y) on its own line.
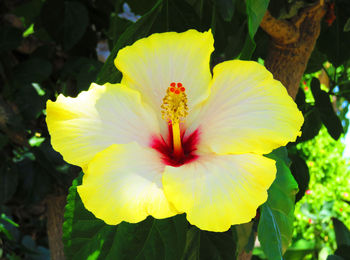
point(174, 110)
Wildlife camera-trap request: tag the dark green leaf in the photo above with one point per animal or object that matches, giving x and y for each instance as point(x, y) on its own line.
point(134, 32)
point(226, 9)
point(65, 21)
point(343, 251)
point(316, 61)
point(8, 181)
point(209, 245)
point(300, 172)
point(347, 25)
point(76, 19)
point(312, 124)
point(342, 234)
point(10, 38)
point(324, 106)
point(3, 141)
point(334, 41)
point(276, 222)
point(85, 236)
point(32, 70)
point(256, 10)
point(88, 74)
point(29, 102)
point(248, 49)
point(334, 257)
point(28, 11)
point(243, 233)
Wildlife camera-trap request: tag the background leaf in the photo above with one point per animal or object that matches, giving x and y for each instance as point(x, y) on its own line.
point(256, 10)
point(324, 106)
point(275, 227)
point(85, 236)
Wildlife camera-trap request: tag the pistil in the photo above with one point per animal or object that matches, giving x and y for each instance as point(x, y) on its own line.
point(174, 110)
point(177, 140)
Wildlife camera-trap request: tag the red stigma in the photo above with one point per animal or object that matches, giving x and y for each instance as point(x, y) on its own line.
point(182, 89)
point(172, 84)
point(177, 92)
point(172, 89)
point(179, 85)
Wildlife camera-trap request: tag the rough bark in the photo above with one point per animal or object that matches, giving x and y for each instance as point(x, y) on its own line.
point(292, 43)
point(55, 210)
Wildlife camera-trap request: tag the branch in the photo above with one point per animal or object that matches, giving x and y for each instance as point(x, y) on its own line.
point(285, 32)
point(281, 31)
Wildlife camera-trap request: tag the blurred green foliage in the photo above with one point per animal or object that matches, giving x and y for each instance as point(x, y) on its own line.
point(326, 195)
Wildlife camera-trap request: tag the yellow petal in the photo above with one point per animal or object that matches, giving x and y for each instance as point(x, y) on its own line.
point(104, 115)
point(152, 63)
point(218, 191)
point(247, 111)
point(123, 183)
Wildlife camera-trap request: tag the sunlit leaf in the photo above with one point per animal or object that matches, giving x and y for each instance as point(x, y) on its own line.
point(275, 228)
point(256, 10)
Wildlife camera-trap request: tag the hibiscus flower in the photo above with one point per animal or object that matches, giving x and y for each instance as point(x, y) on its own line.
point(173, 138)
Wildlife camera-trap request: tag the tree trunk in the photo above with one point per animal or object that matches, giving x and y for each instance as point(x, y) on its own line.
point(55, 210)
point(292, 43)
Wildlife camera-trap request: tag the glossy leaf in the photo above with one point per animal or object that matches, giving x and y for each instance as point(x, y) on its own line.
point(275, 228)
point(209, 245)
point(85, 236)
point(312, 124)
point(226, 9)
point(301, 174)
point(256, 10)
point(73, 17)
point(324, 106)
point(342, 234)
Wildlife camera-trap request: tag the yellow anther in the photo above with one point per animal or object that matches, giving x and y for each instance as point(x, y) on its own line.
point(174, 107)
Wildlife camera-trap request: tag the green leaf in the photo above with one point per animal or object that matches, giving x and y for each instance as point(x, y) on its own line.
point(134, 32)
point(300, 249)
point(65, 21)
point(347, 25)
point(243, 233)
point(312, 124)
point(28, 11)
point(8, 182)
point(226, 9)
point(10, 38)
point(256, 10)
point(275, 227)
point(342, 234)
point(32, 70)
point(76, 20)
point(325, 107)
point(248, 48)
point(86, 237)
point(209, 245)
point(334, 257)
point(300, 172)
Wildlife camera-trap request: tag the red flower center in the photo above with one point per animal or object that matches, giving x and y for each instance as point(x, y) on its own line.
point(166, 149)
